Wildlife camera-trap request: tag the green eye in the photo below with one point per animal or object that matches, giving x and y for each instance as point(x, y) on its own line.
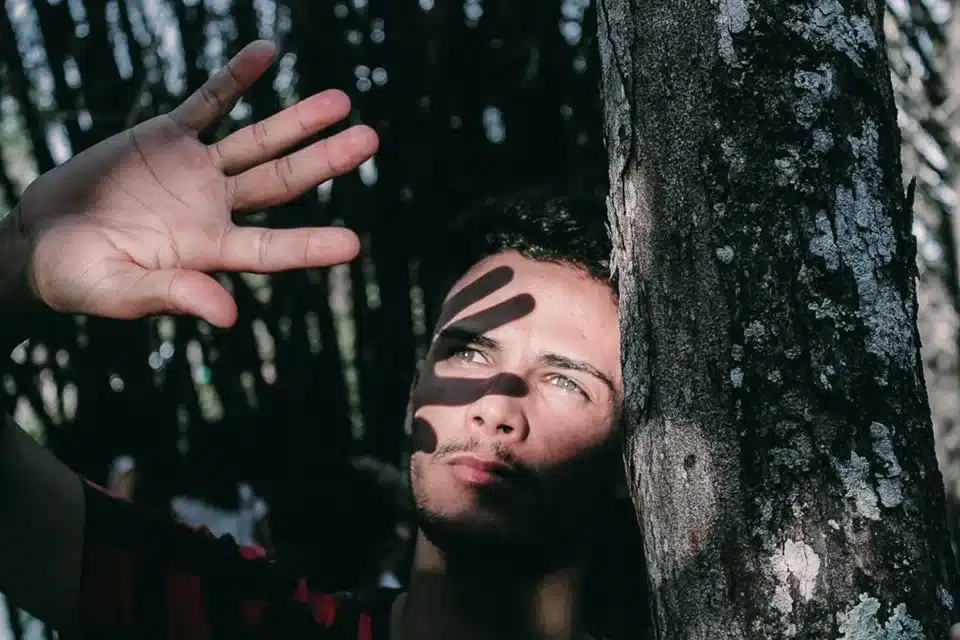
point(467, 354)
point(566, 384)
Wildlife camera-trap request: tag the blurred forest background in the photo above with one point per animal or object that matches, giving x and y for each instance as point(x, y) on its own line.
point(304, 399)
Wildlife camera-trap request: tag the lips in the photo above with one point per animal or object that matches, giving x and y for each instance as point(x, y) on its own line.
point(484, 472)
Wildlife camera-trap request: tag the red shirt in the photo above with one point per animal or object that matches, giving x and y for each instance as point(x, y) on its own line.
point(147, 576)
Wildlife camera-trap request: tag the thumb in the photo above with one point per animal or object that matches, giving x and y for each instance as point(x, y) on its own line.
point(179, 291)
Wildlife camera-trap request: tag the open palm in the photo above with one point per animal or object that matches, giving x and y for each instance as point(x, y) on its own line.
point(132, 226)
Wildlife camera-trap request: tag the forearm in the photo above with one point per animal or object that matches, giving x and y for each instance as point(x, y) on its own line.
point(41, 499)
point(20, 311)
point(41, 540)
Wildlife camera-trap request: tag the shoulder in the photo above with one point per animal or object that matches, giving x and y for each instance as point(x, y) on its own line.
point(367, 611)
point(137, 563)
point(362, 615)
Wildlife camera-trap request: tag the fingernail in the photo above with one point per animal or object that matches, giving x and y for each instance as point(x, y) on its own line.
point(359, 137)
point(262, 45)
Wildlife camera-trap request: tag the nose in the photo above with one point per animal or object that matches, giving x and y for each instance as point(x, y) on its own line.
point(499, 416)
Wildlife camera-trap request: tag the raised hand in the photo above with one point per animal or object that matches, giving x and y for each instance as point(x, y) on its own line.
point(132, 226)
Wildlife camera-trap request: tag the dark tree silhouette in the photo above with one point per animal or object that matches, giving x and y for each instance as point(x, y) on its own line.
point(469, 99)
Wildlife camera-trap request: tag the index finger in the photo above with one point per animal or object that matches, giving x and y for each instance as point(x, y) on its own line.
point(217, 96)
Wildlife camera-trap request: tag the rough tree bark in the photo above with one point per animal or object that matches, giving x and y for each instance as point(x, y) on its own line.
point(778, 433)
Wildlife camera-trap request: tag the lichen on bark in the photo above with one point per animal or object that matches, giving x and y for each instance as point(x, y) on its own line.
point(778, 437)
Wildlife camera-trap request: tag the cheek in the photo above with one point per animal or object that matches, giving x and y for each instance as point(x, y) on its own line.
point(563, 441)
point(417, 460)
point(433, 425)
point(432, 484)
point(423, 438)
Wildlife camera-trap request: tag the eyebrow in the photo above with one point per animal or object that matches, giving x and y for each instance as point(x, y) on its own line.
point(563, 362)
point(468, 336)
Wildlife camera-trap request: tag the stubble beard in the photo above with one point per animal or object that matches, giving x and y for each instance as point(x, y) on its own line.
point(536, 540)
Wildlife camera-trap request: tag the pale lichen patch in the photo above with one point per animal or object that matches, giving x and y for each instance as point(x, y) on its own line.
point(754, 331)
point(736, 377)
point(822, 140)
point(817, 87)
point(901, 626)
point(788, 167)
point(889, 485)
point(733, 156)
point(795, 457)
point(823, 381)
point(782, 601)
point(855, 477)
point(828, 24)
point(861, 623)
point(945, 596)
point(866, 241)
point(890, 492)
point(797, 564)
point(883, 447)
point(804, 564)
point(731, 18)
point(827, 308)
point(725, 254)
point(823, 244)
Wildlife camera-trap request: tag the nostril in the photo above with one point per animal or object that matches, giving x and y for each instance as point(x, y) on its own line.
point(505, 429)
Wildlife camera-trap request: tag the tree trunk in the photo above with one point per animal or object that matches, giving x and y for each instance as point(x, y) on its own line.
point(778, 436)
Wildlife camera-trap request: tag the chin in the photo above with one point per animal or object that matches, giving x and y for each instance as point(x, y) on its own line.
point(470, 529)
point(444, 503)
point(480, 541)
point(494, 524)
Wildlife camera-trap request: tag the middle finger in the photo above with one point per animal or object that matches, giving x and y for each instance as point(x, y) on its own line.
point(285, 178)
point(265, 140)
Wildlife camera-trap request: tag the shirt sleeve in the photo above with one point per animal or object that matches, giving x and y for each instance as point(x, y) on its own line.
point(146, 575)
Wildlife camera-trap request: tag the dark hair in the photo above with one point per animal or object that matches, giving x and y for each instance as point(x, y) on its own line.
point(539, 224)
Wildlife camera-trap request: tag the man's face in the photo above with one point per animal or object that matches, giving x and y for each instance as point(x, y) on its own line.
point(514, 407)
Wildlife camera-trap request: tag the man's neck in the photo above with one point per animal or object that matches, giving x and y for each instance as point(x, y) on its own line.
point(448, 598)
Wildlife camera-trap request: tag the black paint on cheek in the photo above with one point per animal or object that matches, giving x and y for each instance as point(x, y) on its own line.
point(459, 392)
point(507, 384)
point(477, 290)
point(423, 437)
